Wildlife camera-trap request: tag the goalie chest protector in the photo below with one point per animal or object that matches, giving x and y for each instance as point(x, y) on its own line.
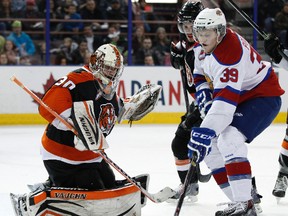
point(106, 111)
point(84, 88)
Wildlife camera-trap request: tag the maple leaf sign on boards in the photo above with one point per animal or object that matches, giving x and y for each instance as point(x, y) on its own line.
point(46, 86)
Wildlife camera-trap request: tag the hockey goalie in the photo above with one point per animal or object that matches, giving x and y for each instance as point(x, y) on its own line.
point(81, 181)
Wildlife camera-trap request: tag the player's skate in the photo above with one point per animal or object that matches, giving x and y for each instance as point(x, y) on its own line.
point(238, 209)
point(19, 204)
point(280, 187)
point(190, 195)
point(256, 197)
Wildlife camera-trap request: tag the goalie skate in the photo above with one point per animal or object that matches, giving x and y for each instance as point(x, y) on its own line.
point(18, 204)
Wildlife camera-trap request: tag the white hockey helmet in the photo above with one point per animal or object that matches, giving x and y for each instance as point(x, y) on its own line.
point(106, 64)
point(210, 19)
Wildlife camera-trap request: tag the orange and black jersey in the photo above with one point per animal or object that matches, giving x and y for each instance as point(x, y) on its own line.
point(188, 52)
point(58, 140)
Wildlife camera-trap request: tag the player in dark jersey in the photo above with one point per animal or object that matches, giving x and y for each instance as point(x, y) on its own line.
point(182, 58)
point(272, 47)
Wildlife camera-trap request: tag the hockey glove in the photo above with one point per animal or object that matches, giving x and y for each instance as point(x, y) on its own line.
point(193, 117)
point(204, 100)
point(140, 104)
point(176, 56)
point(272, 45)
point(200, 143)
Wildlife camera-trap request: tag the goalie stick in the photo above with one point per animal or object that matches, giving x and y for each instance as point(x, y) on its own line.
point(159, 197)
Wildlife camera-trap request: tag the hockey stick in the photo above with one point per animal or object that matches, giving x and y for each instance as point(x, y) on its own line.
point(182, 71)
point(201, 178)
point(159, 197)
point(255, 26)
point(189, 175)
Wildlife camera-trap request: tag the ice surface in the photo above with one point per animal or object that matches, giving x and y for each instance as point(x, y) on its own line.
point(140, 149)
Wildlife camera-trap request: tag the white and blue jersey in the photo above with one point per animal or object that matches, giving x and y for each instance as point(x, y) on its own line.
point(238, 74)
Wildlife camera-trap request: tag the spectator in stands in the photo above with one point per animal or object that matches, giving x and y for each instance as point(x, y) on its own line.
point(66, 49)
point(162, 46)
point(93, 40)
point(114, 37)
point(87, 58)
point(74, 27)
point(148, 60)
point(60, 60)
point(55, 13)
point(92, 12)
point(5, 12)
point(2, 43)
point(281, 25)
point(146, 49)
point(138, 38)
point(25, 60)
point(42, 51)
point(267, 10)
point(17, 6)
point(21, 40)
point(11, 52)
point(3, 59)
point(114, 11)
point(31, 12)
point(144, 12)
point(79, 54)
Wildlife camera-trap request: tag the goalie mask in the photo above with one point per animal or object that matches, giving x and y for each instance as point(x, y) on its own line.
point(106, 64)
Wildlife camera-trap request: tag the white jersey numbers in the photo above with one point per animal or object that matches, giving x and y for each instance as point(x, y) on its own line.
point(66, 83)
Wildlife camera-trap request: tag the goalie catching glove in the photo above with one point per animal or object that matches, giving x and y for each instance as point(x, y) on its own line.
point(89, 133)
point(140, 104)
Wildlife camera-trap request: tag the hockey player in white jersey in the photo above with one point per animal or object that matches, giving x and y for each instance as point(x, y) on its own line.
point(272, 46)
point(244, 101)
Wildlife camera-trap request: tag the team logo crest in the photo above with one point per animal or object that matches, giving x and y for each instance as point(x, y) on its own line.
point(189, 76)
point(219, 12)
point(201, 55)
point(107, 118)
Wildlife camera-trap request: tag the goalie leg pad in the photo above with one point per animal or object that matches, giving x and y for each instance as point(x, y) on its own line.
point(83, 118)
point(68, 201)
point(143, 179)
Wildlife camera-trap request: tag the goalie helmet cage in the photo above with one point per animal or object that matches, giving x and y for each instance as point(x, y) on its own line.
point(159, 197)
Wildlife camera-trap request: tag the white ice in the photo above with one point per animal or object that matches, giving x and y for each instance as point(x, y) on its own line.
point(140, 149)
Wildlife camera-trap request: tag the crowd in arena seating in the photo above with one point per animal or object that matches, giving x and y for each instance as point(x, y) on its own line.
point(79, 27)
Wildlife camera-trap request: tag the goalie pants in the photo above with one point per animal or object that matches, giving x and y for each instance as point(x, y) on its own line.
point(92, 176)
